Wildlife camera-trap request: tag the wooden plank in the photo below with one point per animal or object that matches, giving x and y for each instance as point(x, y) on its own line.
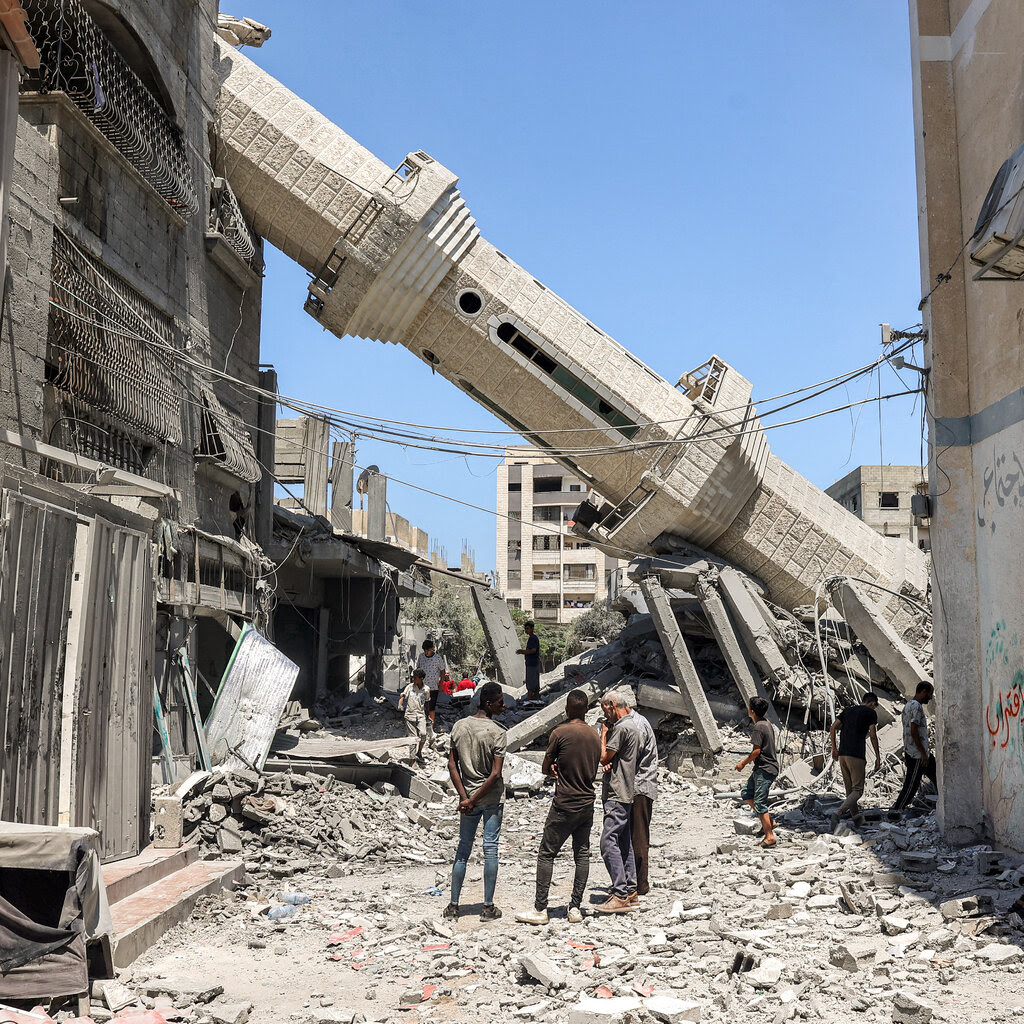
point(192, 703)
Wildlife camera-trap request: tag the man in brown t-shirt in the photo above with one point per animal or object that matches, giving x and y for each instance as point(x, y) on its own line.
point(573, 757)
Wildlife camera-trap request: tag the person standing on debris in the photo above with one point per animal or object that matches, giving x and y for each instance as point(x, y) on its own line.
point(854, 725)
point(916, 753)
point(414, 701)
point(645, 793)
point(475, 760)
point(531, 655)
point(434, 669)
point(572, 759)
point(620, 748)
point(766, 767)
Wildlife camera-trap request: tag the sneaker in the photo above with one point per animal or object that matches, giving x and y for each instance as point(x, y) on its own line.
point(532, 917)
point(492, 913)
point(451, 912)
point(575, 915)
point(613, 905)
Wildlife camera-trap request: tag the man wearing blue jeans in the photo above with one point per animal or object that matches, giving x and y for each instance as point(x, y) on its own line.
point(766, 768)
point(474, 762)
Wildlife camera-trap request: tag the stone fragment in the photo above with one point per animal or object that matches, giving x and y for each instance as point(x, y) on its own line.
point(767, 973)
point(921, 863)
point(799, 890)
point(543, 970)
point(999, 953)
point(113, 994)
point(909, 1009)
point(780, 911)
point(952, 909)
point(670, 1009)
point(894, 925)
point(168, 822)
point(183, 991)
point(604, 1011)
point(853, 956)
point(887, 880)
point(823, 902)
point(231, 1013)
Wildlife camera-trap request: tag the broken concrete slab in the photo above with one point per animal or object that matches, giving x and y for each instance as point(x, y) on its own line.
point(741, 666)
point(873, 630)
point(604, 1011)
point(909, 1009)
point(502, 638)
point(541, 969)
point(669, 1009)
point(683, 670)
point(543, 721)
point(676, 572)
point(751, 625)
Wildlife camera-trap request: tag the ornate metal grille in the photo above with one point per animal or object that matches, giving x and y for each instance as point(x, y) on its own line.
point(226, 218)
point(110, 347)
point(76, 58)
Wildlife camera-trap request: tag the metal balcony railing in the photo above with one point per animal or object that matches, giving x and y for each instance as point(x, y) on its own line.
point(226, 218)
point(76, 58)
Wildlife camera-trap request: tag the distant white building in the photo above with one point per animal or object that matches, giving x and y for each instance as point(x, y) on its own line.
point(542, 568)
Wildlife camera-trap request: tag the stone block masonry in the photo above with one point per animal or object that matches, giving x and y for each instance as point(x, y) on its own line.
point(409, 252)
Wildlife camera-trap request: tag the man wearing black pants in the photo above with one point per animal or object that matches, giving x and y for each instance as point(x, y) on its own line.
point(573, 757)
point(920, 763)
point(643, 803)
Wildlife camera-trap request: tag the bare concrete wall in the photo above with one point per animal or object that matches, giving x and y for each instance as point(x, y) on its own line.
point(969, 117)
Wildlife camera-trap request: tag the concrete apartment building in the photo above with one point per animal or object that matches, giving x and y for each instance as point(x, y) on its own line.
point(881, 497)
point(968, 82)
point(551, 576)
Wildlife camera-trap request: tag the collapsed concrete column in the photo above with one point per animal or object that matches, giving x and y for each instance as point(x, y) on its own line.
point(865, 618)
point(740, 665)
point(683, 671)
point(501, 636)
point(547, 718)
point(751, 625)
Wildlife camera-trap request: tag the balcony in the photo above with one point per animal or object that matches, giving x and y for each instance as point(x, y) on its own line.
point(77, 59)
point(568, 498)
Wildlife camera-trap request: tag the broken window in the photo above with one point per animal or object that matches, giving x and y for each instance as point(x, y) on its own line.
point(508, 333)
point(889, 499)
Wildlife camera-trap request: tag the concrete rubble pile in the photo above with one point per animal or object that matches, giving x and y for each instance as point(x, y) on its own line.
point(282, 823)
point(886, 925)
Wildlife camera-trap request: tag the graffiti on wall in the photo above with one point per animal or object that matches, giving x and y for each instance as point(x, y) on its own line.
point(1003, 718)
point(1002, 485)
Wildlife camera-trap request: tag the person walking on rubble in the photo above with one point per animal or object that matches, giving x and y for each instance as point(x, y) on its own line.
point(414, 701)
point(434, 669)
point(645, 792)
point(854, 725)
point(916, 753)
point(475, 760)
point(531, 656)
point(620, 748)
point(766, 768)
point(572, 759)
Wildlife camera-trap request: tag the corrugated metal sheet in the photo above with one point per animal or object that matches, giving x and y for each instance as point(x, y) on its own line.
point(115, 689)
point(38, 549)
point(249, 703)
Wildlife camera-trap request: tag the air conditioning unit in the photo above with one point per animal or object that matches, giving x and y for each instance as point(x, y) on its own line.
point(999, 233)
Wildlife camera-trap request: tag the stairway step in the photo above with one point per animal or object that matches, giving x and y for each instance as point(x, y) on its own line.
point(141, 918)
point(125, 877)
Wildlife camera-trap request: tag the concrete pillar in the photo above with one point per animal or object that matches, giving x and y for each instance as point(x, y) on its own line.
point(343, 455)
point(502, 638)
point(266, 438)
point(323, 635)
point(541, 723)
point(682, 665)
point(376, 507)
point(865, 618)
point(739, 662)
point(751, 625)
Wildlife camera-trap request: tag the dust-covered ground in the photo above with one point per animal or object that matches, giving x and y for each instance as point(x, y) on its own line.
point(834, 928)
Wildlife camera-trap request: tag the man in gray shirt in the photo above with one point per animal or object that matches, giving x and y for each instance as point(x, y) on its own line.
point(620, 749)
point(645, 792)
point(916, 752)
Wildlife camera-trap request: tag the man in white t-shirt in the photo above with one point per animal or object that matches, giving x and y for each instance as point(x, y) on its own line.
point(916, 751)
point(414, 703)
point(434, 670)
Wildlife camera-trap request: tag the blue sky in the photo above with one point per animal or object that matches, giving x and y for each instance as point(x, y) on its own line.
point(735, 177)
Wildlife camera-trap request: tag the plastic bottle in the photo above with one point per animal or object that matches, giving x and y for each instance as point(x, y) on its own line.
point(277, 913)
point(296, 898)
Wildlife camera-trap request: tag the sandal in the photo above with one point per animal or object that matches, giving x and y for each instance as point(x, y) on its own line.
point(764, 844)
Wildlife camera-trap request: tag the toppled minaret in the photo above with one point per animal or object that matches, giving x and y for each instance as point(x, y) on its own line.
point(396, 257)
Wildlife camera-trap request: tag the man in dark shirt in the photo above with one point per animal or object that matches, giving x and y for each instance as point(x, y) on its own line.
point(531, 655)
point(573, 757)
point(766, 767)
point(854, 725)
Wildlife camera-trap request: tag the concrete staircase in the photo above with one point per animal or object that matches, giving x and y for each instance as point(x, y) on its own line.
point(151, 893)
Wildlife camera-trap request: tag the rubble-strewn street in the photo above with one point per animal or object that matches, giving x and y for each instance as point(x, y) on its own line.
point(888, 924)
